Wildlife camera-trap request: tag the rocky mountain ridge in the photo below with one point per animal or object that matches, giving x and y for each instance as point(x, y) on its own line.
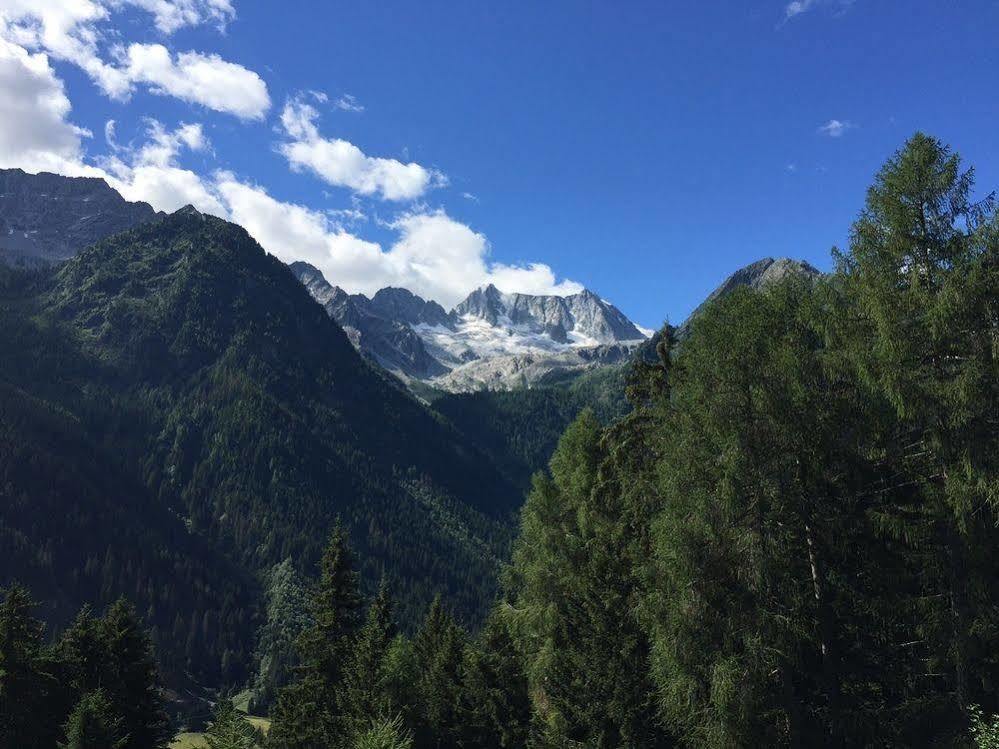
point(47, 218)
point(491, 340)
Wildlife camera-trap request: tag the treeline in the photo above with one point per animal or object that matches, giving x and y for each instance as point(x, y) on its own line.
point(95, 687)
point(792, 540)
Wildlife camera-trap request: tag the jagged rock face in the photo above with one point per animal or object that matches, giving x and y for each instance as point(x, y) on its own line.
point(391, 343)
point(581, 318)
point(46, 218)
point(490, 340)
point(404, 306)
point(517, 371)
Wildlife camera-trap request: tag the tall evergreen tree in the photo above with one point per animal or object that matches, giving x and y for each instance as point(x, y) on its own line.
point(93, 724)
point(438, 648)
point(132, 684)
point(921, 279)
point(306, 715)
point(576, 594)
point(496, 708)
point(230, 729)
point(363, 695)
point(29, 694)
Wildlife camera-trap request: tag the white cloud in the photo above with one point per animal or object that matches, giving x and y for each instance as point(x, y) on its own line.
point(151, 172)
point(835, 128)
point(171, 15)
point(72, 31)
point(434, 256)
point(797, 7)
point(35, 133)
point(201, 79)
point(293, 232)
point(343, 164)
point(348, 103)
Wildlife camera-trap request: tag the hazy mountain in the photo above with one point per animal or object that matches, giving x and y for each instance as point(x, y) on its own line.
point(46, 218)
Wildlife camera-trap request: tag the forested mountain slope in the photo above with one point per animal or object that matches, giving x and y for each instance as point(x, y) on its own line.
point(235, 408)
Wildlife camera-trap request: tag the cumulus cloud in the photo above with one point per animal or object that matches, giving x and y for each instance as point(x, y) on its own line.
point(342, 164)
point(201, 79)
point(71, 31)
point(35, 132)
point(151, 172)
point(835, 128)
point(434, 255)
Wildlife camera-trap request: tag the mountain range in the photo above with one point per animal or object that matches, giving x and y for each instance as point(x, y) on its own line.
point(178, 414)
point(492, 340)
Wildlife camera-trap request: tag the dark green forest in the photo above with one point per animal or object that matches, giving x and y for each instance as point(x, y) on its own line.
point(789, 536)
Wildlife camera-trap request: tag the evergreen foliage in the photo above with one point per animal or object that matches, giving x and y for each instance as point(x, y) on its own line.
point(230, 730)
point(93, 724)
point(97, 686)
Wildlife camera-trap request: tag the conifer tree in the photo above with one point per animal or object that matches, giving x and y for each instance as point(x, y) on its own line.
point(921, 279)
point(438, 647)
point(384, 734)
point(363, 695)
point(496, 709)
point(576, 591)
point(230, 729)
point(93, 724)
point(306, 715)
point(132, 684)
point(30, 704)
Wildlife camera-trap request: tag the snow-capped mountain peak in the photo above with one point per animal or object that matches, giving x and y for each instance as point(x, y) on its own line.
point(491, 339)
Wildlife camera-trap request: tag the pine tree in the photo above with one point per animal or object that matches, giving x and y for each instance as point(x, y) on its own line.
point(438, 647)
point(93, 724)
point(921, 279)
point(306, 715)
point(229, 729)
point(575, 593)
point(29, 694)
point(363, 695)
point(384, 734)
point(496, 708)
point(132, 683)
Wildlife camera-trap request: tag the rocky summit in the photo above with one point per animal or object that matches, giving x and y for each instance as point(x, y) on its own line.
point(491, 340)
point(46, 218)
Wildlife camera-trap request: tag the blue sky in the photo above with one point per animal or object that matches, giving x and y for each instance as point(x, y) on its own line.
point(641, 149)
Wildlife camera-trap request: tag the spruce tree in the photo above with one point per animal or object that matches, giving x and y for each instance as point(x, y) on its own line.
point(30, 698)
point(496, 708)
point(94, 724)
point(132, 683)
point(438, 647)
point(307, 715)
point(230, 729)
point(363, 695)
point(575, 591)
